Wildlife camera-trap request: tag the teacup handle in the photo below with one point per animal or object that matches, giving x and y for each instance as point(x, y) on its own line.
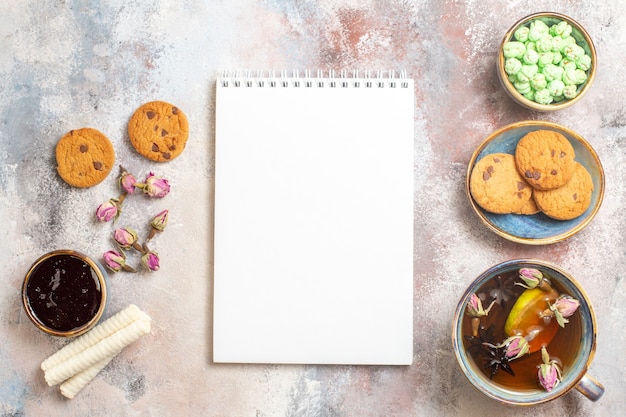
point(590, 388)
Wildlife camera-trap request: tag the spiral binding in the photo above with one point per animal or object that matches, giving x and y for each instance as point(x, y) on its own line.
point(322, 79)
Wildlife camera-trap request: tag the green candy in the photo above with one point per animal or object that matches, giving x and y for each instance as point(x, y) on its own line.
point(555, 87)
point(561, 29)
point(529, 70)
point(521, 34)
point(530, 56)
point(545, 58)
point(512, 66)
point(557, 44)
point(576, 76)
point(584, 62)
point(537, 29)
point(569, 40)
point(538, 81)
point(567, 63)
point(513, 49)
point(553, 72)
point(522, 87)
point(573, 51)
point(521, 77)
point(569, 76)
point(543, 96)
point(570, 91)
point(544, 44)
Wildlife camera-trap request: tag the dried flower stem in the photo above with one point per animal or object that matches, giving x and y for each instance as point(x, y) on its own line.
point(475, 325)
point(152, 234)
point(544, 285)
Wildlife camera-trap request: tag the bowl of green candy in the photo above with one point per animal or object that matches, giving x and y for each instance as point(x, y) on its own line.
point(547, 61)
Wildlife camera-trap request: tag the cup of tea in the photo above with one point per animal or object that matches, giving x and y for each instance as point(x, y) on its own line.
point(524, 332)
point(64, 293)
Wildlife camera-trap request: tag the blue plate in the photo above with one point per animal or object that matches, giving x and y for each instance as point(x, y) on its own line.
point(537, 229)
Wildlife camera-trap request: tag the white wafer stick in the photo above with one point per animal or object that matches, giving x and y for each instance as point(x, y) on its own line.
point(73, 385)
point(94, 354)
point(101, 331)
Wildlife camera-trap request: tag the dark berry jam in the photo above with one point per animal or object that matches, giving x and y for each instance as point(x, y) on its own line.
point(64, 292)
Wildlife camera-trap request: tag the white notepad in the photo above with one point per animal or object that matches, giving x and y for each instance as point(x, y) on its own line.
point(313, 260)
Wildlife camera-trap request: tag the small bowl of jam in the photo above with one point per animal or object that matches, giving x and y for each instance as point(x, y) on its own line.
point(65, 293)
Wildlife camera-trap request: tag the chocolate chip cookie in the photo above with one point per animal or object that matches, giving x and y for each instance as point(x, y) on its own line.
point(158, 131)
point(569, 201)
point(545, 159)
point(84, 157)
point(497, 186)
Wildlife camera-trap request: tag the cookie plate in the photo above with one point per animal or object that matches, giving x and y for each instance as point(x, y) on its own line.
point(537, 229)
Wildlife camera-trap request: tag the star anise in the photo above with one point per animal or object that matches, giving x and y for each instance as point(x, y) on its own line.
point(504, 290)
point(494, 357)
point(485, 335)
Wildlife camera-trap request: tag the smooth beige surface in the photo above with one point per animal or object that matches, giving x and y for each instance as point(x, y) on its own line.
point(65, 65)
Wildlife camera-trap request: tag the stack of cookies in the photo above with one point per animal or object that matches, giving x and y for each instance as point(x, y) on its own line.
point(542, 176)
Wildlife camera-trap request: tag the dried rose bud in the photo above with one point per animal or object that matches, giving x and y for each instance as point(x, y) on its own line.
point(127, 182)
point(125, 237)
point(515, 347)
point(532, 277)
point(563, 307)
point(154, 186)
point(548, 375)
point(160, 220)
point(108, 211)
point(158, 223)
point(475, 310)
point(475, 307)
point(116, 261)
point(549, 372)
point(151, 260)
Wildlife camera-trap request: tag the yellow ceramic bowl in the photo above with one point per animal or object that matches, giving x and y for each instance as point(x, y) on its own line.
point(537, 229)
point(64, 293)
point(582, 39)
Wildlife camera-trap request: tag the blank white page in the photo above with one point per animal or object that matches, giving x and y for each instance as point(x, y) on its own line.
point(313, 250)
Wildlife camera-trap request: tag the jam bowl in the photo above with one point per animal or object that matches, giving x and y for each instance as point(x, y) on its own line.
point(65, 293)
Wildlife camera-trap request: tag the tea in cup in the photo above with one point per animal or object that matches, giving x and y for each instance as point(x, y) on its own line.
point(524, 333)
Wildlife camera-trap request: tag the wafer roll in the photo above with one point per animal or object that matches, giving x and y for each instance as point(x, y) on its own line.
point(73, 385)
point(104, 348)
point(106, 328)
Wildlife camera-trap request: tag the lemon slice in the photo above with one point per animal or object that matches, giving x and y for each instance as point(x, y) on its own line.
point(525, 318)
